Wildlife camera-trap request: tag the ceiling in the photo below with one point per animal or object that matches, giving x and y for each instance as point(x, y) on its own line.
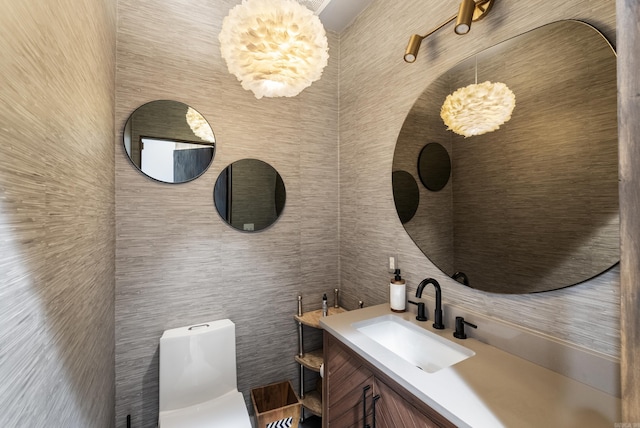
point(336, 15)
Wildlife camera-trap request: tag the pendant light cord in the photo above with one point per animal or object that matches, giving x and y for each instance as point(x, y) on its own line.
point(476, 69)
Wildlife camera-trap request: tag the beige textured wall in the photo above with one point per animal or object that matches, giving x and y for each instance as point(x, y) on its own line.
point(177, 262)
point(377, 90)
point(57, 213)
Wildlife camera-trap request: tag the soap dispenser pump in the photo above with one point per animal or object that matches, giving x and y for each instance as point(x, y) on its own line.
point(397, 293)
point(325, 308)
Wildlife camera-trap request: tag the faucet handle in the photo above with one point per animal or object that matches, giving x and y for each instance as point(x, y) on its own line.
point(459, 333)
point(422, 311)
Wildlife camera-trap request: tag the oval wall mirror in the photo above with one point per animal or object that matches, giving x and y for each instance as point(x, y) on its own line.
point(169, 141)
point(249, 195)
point(532, 206)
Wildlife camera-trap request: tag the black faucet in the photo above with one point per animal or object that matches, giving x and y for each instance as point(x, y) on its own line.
point(438, 312)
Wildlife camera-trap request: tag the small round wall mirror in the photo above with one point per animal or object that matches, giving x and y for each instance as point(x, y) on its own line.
point(434, 166)
point(169, 141)
point(405, 195)
point(249, 195)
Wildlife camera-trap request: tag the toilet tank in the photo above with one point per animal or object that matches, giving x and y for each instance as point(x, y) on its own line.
point(197, 364)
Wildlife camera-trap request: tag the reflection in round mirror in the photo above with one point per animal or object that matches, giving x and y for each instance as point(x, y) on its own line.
point(169, 141)
point(405, 195)
point(249, 195)
point(434, 166)
point(532, 206)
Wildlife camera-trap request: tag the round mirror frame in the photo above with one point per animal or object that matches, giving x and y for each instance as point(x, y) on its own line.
point(249, 195)
point(180, 144)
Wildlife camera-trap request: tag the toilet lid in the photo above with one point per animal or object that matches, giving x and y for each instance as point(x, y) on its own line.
point(226, 411)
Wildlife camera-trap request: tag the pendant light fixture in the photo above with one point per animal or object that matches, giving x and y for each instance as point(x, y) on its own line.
point(276, 48)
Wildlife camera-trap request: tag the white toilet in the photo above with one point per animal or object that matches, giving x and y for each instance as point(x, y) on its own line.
point(198, 387)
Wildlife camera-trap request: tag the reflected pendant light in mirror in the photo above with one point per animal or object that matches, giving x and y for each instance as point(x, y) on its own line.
point(169, 141)
point(478, 108)
point(249, 195)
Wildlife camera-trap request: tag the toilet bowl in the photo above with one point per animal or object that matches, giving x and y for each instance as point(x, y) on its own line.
point(198, 386)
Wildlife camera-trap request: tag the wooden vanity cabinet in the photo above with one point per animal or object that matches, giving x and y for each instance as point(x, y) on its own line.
point(349, 386)
point(346, 383)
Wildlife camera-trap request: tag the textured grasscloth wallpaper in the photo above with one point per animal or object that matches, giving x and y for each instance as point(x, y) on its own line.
point(57, 213)
point(177, 262)
point(377, 90)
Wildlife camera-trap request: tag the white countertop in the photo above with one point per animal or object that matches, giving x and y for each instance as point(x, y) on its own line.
point(491, 389)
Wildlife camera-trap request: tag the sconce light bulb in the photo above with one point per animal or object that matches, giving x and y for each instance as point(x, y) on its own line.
point(462, 29)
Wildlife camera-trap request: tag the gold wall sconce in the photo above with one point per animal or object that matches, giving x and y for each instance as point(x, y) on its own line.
point(469, 11)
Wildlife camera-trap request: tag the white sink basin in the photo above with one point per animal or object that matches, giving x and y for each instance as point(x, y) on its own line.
point(418, 346)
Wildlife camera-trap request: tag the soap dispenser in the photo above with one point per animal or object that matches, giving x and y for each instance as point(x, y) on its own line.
point(325, 308)
point(397, 293)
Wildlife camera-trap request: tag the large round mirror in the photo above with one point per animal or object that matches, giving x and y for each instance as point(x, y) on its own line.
point(532, 206)
point(249, 195)
point(169, 141)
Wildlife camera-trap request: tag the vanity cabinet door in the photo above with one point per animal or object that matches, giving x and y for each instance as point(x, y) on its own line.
point(393, 411)
point(347, 384)
point(345, 376)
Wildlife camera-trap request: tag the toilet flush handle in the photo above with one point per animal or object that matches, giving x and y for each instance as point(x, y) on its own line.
point(195, 327)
